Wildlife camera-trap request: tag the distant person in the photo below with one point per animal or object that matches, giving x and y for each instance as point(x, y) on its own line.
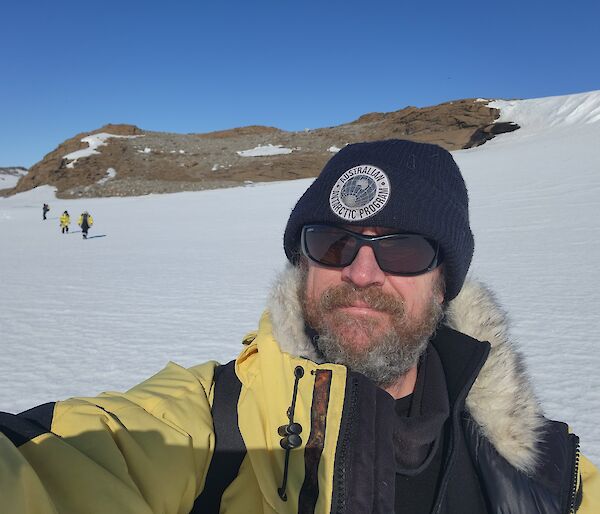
point(45, 210)
point(375, 383)
point(85, 222)
point(65, 221)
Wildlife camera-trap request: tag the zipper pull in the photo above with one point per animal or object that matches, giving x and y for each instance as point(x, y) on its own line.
point(290, 433)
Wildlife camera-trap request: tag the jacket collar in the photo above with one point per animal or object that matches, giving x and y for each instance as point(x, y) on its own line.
point(501, 400)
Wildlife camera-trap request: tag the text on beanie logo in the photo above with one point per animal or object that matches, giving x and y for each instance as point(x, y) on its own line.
point(360, 193)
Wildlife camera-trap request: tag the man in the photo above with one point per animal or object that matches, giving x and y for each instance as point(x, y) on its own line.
point(85, 221)
point(378, 381)
point(65, 221)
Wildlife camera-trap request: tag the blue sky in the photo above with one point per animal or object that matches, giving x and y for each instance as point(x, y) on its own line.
point(68, 67)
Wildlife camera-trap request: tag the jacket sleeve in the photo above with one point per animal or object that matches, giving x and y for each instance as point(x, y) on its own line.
point(590, 487)
point(144, 451)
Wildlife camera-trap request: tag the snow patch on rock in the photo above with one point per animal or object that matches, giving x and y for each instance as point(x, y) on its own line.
point(94, 141)
point(110, 174)
point(269, 149)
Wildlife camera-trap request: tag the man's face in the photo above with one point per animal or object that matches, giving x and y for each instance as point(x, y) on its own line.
point(374, 322)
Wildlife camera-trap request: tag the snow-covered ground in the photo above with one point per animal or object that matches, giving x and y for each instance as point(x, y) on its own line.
point(183, 277)
point(10, 176)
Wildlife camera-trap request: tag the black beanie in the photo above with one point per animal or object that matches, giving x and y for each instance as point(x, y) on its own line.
point(397, 184)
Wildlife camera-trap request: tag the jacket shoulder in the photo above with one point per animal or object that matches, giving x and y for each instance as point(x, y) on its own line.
point(552, 487)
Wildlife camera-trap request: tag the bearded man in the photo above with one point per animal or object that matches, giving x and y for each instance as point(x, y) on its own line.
point(378, 381)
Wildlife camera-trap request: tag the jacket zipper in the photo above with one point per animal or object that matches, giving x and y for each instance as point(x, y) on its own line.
point(341, 478)
point(447, 466)
point(575, 476)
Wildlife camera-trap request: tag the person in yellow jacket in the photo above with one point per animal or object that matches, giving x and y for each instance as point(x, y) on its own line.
point(65, 221)
point(379, 380)
point(85, 222)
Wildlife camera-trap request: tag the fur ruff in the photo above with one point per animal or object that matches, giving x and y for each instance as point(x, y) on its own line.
point(501, 401)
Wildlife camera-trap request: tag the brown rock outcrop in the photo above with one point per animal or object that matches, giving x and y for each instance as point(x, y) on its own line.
point(158, 162)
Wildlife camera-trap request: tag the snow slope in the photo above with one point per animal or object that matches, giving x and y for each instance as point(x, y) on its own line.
point(10, 176)
point(183, 277)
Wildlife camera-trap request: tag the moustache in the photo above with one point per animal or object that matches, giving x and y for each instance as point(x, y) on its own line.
point(346, 295)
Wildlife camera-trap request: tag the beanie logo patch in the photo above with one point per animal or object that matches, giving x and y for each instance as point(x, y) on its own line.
point(361, 192)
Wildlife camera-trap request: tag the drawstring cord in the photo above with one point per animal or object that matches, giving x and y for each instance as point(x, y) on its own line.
point(290, 433)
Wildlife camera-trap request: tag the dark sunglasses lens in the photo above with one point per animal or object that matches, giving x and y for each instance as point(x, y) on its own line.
point(404, 254)
point(329, 246)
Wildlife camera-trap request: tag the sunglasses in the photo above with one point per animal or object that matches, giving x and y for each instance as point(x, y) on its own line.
point(398, 254)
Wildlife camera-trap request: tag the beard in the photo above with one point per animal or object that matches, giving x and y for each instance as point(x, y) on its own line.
point(382, 347)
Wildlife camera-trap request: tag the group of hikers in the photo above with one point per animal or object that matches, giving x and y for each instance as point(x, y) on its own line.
point(85, 221)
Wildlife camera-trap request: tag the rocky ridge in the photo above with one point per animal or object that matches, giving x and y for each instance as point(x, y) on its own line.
point(124, 160)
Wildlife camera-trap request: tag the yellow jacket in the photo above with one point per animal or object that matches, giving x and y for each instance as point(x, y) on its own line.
point(90, 220)
point(149, 450)
point(65, 220)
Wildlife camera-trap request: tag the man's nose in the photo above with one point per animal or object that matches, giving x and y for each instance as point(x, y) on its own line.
point(364, 271)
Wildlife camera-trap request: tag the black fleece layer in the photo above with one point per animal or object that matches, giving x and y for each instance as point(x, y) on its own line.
point(419, 438)
point(365, 474)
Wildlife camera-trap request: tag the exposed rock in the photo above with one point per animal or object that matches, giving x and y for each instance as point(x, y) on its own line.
point(52, 169)
point(159, 162)
point(486, 133)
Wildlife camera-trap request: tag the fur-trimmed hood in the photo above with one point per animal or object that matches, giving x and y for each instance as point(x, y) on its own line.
point(501, 401)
